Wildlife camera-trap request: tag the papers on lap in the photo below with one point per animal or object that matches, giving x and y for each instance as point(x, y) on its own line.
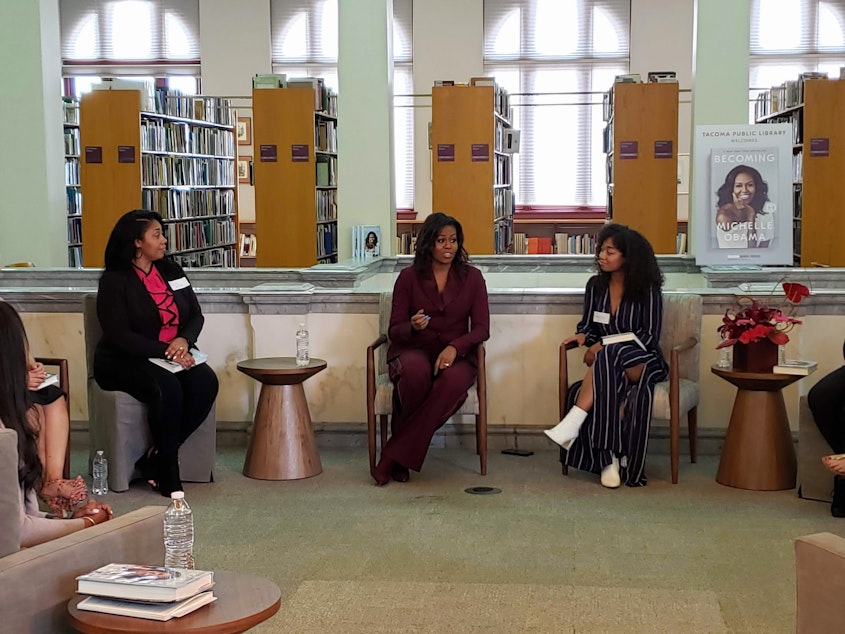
point(172, 366)
point(621, 338)
point(144, 583)
point(155, 611)
point(795, 366)
point(52, 379)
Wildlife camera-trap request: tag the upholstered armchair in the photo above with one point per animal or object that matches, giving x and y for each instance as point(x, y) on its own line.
point(380, 391)
point(679, 394)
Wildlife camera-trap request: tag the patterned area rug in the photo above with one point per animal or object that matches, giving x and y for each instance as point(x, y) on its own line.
point(350, 606)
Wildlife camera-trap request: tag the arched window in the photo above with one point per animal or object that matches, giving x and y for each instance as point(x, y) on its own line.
point(303, 38)
point(789, 37)
point(548, 47)
point(130, 38)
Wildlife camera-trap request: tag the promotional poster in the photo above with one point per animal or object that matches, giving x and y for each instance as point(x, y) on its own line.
point(743, 194)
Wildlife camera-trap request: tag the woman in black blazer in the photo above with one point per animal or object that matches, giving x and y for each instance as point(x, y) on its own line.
point(148, 309)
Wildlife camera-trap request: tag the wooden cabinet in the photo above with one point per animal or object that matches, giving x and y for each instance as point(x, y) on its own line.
point(472, 176)
point(180, 167)
point(295, 169)
point(642, 135)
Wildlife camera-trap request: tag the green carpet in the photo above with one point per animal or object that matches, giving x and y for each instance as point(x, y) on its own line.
point(548, 554)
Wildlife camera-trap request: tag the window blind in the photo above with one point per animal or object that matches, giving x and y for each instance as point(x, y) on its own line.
point(108, 37)
point(558, 57)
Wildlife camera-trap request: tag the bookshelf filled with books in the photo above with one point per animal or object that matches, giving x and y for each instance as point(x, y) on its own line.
point(73, 193)
point(171, 153)
point(641, 143)
point(810, 104)
point(295, 171)
point(472, 174)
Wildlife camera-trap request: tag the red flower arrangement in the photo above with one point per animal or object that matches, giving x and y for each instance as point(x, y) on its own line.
point(749, 322)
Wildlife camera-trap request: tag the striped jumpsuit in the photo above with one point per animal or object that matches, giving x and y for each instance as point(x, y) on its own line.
point(605, 432)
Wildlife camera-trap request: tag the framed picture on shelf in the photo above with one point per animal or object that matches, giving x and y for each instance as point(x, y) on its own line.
point(244, 131)
point(244, 171)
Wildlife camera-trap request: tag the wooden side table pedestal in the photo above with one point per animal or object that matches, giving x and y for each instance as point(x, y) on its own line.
point(282, 446)
point(759, 453)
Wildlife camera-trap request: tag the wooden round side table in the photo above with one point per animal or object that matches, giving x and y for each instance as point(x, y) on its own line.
point(282, 446)
point(243, 601)
point(759, 453)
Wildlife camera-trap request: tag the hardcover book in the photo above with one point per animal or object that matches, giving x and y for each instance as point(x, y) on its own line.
point(172, 366)
point(144, 583)
point(621, 338)
point(154, 611)
point(795, 366)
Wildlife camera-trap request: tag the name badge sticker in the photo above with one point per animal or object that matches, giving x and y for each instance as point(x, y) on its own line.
point(600, 317)
point(179, 284)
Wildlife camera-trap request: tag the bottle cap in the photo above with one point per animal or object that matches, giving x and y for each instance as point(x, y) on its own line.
point(177, 495)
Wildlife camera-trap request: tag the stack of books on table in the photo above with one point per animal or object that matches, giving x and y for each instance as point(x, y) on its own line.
point(146, 592)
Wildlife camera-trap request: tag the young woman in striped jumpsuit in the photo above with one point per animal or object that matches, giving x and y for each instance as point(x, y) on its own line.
point(606, 427)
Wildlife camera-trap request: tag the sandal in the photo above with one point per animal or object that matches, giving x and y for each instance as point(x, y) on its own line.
point(146, 464)
point(835, 463)
point(63, 497)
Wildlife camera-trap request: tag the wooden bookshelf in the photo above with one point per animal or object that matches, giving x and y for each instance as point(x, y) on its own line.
point(295, 168)
point(183, 168)
point(643, 163)
point(472, 178)
point(73, 189)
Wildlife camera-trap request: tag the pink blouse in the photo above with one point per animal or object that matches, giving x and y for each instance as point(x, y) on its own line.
point(163, 298)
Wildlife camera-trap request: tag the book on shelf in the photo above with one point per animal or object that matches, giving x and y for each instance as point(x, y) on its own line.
point(631, 78)
point(144, 583)
point(51, 379)
point(662, 77)
point(795, 366)
point(621, 338)
point(269, 80)
point(172, 366)
point(153, 611)
point(366, 241)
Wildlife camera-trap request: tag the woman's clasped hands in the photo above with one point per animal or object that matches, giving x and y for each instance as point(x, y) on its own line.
point(95, 512)
point(178, 351)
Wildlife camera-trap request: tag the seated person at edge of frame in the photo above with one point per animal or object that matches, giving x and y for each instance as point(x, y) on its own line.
point(148, 309)
point(606, 427)
point(17, 413)
point(439, 314)
point(827, 402)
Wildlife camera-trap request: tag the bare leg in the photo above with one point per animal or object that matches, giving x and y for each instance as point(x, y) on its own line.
point(586, 396)
point(633, 374)
point(52, 423)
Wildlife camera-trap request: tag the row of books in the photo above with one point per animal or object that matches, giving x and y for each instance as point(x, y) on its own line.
point(325, 99)
point(175, 204)
point(326, 205)
point(788, 95)
point(199, 234)
point(70, 111)
point(71, 136)
point(501, 98)
point(504, 203)
point(571, 244)
point(503, 237)
point(177, 171)
point(223, 256)
point(159, 135)
point(74, 256)
point(175, 103)
point(248, 245)
point(146, 592)
point(74, 200)
point(504, 170)
point(798, 167)
point(325, 137)
point(406, 243)
point(72, 172)
point(327, 241)
point(74, 230)
point(326, 171)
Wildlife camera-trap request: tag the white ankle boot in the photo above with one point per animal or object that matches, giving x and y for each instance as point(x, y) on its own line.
point(567, 429)
point(610, 474)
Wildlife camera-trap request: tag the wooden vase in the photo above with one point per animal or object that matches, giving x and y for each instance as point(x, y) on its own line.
point(758, 356)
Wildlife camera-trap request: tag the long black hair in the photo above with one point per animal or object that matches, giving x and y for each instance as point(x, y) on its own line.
point(641, 270)
point(761, 188)
point(427, 238)
point(120, 249)
point(15, 402)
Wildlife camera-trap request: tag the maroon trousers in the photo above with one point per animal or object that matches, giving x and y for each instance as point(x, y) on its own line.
point(422, 403)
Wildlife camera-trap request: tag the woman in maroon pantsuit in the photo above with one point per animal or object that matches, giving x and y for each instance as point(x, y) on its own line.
point(439, 315)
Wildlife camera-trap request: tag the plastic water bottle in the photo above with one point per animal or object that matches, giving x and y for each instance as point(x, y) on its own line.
point(302, 357)
point(781, 355)
point(725, 360)
point(178, 533)
point(100, 470)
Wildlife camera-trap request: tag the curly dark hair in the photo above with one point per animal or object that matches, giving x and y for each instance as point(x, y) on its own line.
point(15, 401)
point(761, 188)
point(131, 226)
point(427, 238)
point(641, 270)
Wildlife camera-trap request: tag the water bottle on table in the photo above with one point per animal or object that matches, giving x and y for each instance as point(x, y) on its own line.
point(178, 533)
point(302, 356)
point(100, 471)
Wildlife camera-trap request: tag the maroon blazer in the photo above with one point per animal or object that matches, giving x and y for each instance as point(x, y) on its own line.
point(459, 317)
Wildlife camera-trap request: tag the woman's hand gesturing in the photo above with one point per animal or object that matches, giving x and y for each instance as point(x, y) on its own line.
point(419, 320)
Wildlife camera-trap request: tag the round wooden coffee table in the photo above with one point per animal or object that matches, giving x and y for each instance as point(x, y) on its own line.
point(282, 446)
point(243, 601)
